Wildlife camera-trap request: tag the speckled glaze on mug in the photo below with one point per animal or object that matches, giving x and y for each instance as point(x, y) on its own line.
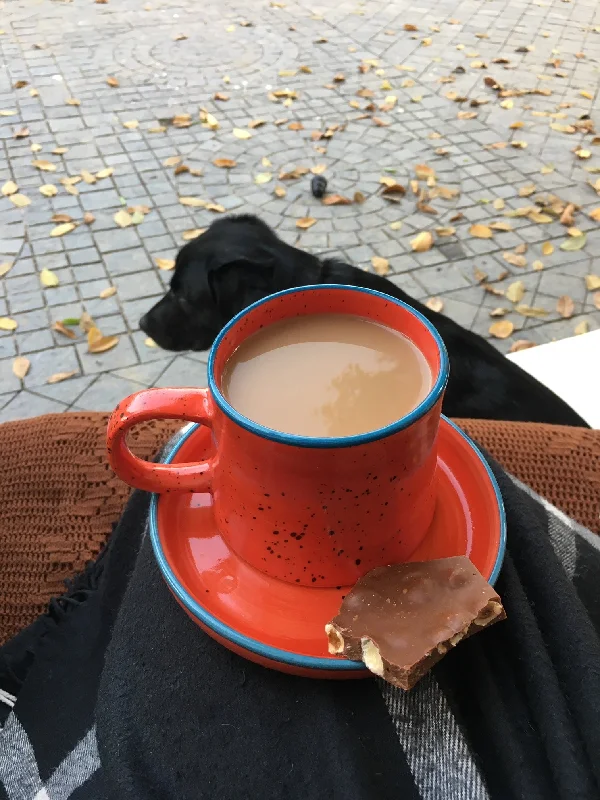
point(314, 511)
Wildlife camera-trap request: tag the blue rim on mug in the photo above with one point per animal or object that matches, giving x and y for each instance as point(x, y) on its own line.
point(252, 645)
point(334, 441)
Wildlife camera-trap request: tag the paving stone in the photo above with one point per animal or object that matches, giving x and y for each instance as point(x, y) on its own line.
point(26, 404)
point(106, 392)
point(184, 372)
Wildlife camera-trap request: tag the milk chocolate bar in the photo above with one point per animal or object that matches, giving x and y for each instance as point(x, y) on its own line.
point(402, 619)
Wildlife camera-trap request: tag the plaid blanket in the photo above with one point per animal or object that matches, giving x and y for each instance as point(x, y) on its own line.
point(115, 693)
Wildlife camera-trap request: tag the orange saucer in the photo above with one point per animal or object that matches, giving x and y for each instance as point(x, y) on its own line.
point(282, 625)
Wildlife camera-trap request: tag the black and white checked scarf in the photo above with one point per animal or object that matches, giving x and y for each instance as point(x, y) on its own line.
point(117, 694)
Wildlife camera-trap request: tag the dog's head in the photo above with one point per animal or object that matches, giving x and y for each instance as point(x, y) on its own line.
point(238, 261)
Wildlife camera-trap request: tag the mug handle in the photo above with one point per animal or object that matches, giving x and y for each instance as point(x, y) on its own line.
point(192, 405)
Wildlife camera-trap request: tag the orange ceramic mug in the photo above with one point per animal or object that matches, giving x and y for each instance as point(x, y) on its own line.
point(315, 511)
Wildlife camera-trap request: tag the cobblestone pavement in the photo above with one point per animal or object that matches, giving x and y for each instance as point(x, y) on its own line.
point(170, 57)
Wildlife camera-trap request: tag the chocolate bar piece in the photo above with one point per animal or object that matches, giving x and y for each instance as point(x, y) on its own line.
point(402, 619)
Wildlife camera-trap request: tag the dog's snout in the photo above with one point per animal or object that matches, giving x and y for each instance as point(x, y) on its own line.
point(144, 323)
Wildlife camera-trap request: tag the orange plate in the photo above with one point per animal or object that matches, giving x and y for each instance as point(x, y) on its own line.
point(281, 625)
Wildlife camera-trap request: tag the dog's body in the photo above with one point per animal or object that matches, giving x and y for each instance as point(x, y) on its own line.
point(239, 260)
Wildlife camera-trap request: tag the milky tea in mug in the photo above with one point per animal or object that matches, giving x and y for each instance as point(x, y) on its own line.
point(326, 375)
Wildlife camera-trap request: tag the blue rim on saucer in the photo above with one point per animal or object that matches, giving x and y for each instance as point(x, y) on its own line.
point(251, 645)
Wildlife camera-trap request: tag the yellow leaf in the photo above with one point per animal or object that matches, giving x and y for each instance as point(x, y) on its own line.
point(48, 278)
point(150, 342)
point(123, 219)
point(8, 324)
point(481, 231)
point(527, 191)
point(58, 377)
point(20, 200)
point(380, 265)
point(531, 311)
point(507, 104)
point(502, 329)
point(5, 268)
point(502, 226)
point(45, 166)
point(305, 222)
point(72, 101)
point(225, 163)
point(565, 306)
point(240, 133)
point(10, 187)
point(318, 169)
point(60, 230)
point(538, 265)
point(266, 162)
point(7, 113)
point(395, 226)
point(105, 173)
point(256, 123)
point(172, 161)
point(97, 343)
point(193, 202)
point(521, 344)
point(422, 242)
point(515, 259)
point(586, 94)
point(165, 263)
point(582, 327)
point(49, 190)
point(279, 191)
point(108, 292)
point(592, 282)
point(131, 124)
point(20, 366)
point(187, 236)
point(435, 304)
point(448, 230)
point(263, 177)
point(516, 291)
point(574, 243)
point(112, 82)
point(498, 204)
point(583, 153)
point(547, 249)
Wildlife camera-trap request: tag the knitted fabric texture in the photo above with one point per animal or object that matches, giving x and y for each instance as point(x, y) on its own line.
point(60, 499)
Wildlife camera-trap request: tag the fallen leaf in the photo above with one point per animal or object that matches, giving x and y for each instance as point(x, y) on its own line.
point(531, 311)
point(435, 304)
point(507, 104)
point(20, 200)
point(336, 200)
point(514, 259)
point(422, 242)
point(574, 232)
point(297, 172)
point(165, 263)
point(256, 123)
point(448, 230)
point(527, 191)
point(108, 292)
point(45, 166)
point(112, 82)
point(5, 268)
point(48, 190)
point(521, 249)
point(279, 191)
point(224, 163)
point(498, 204)
point(467, 114)
point(538, 265)
point(557, 126)
point(499, 312)
point(61, 218)
point(58, 377)
point(565, 306)
point(8, 324)
point(105, 173)
point(60, 327)
point(592, 282)
point(21, 133)
point(409, 27)
point(423, 172)
point(72, 101)
point(583, 154)
point(7, 113)
point(481, 231)
point(123, 219)
point(582, 327)
point(574, 243)
point(187, 236)
point(480, 275)
point(380, 265)
point(262, 178)
point(538, 216)
point(503, 227)
point(596, 300)
point(20, 366)
point(97, 343)
point(502, 329)
point(586, 94)
point(10, 187)
point(61, 230)
point(48, 278)
point(318, 169)
point(547, 249)
point(172, 161)
point(305, 222)
point(240, 133)
point(521, 344)
point(515, 292)
point(221, 97)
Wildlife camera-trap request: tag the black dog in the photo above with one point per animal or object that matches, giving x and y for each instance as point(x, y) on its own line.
point(240, 260)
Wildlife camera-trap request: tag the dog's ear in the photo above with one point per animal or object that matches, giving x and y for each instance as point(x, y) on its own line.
point(236, 285)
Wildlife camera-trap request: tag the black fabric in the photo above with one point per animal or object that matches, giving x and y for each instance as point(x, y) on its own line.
point(178, 716)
